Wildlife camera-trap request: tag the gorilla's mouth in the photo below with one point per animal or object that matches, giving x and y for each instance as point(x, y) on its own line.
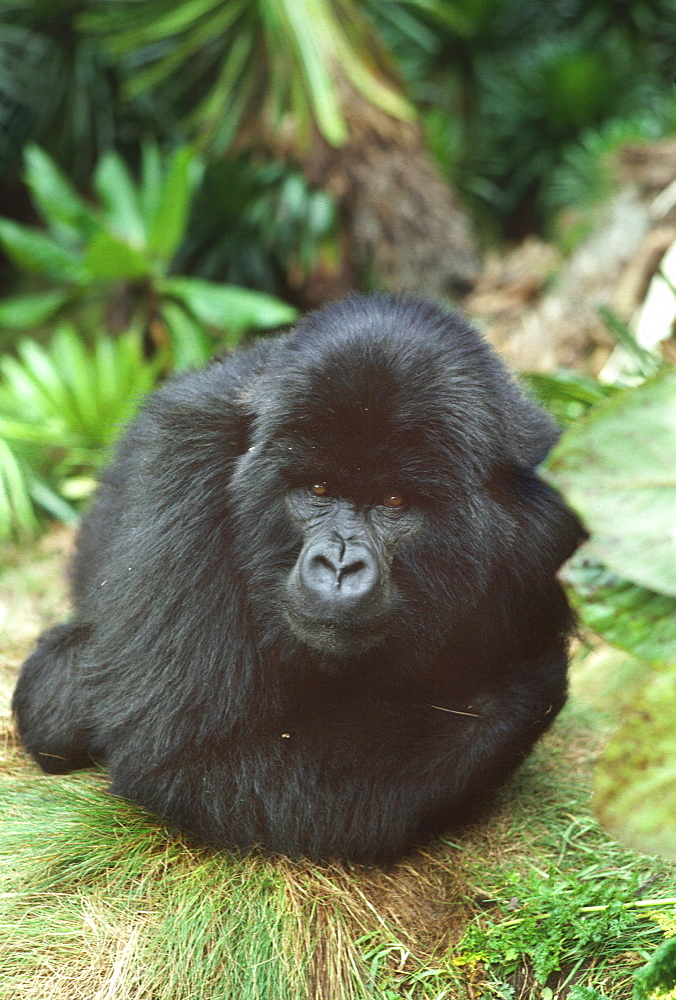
point(334, 638)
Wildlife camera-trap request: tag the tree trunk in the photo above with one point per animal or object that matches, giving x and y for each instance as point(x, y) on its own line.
point(404, 227)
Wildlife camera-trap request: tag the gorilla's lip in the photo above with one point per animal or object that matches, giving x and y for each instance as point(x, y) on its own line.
point(330, 637)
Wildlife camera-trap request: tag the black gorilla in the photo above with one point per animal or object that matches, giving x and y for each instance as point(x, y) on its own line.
point(315, 604)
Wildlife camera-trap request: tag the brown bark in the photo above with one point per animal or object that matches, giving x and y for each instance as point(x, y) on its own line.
point(404, 227)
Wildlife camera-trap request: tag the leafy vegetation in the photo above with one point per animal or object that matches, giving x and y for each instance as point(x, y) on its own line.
point(60, 408)
point(107, 264)
point(522, 100)
point(556, 920)
point(615, 467)
point(124, 247)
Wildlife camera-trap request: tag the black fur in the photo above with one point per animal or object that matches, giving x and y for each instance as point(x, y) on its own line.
point(251, 702)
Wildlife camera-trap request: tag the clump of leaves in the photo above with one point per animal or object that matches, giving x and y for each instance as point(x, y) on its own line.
point(253, 222)
point(61, 406)
point(121, 251)
point(615, 467)
point(548, 920)
point(657, 979)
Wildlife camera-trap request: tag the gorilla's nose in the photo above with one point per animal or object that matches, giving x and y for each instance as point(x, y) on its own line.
point(339, 574)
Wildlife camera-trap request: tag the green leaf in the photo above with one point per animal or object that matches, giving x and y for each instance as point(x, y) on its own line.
point(40, 369)
point(44, 496)
point(647, 363)
point(17, 507)
point(636, 779)
point(567, 394)
point(110, 259)
point(150, 189)
point(77, 373)
point(657, 977)
point(229, 307)
point(34, 251)
point(637, 620)
point(116, 189)
point(169, 223)
point(617, 469)
point(23, 311)
point(57, 199)
point(30, 431)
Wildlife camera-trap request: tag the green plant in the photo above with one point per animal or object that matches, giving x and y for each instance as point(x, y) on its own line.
point(657, 979)
point(253, 222)
point(615, 467)
point(121, 252)
point(550, 920)
point(235, 66)
point(57, 86)
point(60, 409)
point(522, 99)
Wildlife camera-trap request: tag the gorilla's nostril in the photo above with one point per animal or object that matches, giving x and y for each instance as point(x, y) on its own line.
point(328, 577)
point(355, 567)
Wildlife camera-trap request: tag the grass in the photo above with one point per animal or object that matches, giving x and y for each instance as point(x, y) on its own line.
point(99, 901)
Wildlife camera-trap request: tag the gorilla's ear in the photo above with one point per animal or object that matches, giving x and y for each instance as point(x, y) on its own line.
point(530, 431)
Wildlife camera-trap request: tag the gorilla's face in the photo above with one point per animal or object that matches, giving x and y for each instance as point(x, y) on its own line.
point(375, 494)
point(340, 595)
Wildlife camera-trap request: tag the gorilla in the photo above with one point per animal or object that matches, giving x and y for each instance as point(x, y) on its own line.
point(315, 604)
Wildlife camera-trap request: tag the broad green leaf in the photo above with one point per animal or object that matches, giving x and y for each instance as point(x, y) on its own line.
point(118, 193)
point(34, 251)
point(636, 778)
point(23, 311)
point(109, 259)
point(567, 394)
point(617, 469)
point(229, 307)
point(168, 226)
point(635, 619)
point(55, 196)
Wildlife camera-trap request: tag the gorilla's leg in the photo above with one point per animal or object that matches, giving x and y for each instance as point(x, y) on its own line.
point(48, 702)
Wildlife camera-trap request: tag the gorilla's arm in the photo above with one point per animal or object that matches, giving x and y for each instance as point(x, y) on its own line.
point(367, 780)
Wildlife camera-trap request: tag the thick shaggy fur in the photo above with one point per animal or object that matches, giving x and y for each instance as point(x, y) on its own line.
point(182, 668)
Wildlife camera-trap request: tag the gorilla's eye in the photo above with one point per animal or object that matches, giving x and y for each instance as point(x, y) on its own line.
point(394, 501)
point(319, 489)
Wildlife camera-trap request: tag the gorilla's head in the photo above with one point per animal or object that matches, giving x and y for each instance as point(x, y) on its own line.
point(381, 474)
